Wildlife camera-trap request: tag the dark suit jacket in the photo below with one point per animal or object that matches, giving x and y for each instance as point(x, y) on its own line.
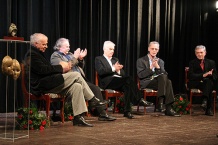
point(44, 76)
point(196, 73)
point(104, 70)
point(144, 72)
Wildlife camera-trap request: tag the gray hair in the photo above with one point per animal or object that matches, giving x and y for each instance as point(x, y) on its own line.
point(154, 42)
point(200, 47)
point(59, 43)
point(37, 37)
point(108, 44)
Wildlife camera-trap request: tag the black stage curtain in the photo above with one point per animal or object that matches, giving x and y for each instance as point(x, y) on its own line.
point(179, 25)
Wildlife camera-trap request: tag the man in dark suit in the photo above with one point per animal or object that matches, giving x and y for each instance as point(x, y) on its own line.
point(151, 72)
point(62, 48)
point(112, 76)
point(202, 75)
point(47, 78)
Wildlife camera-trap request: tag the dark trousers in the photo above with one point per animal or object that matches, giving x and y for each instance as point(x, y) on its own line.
point(206, 86)
point(97, 92)
point(164, 87)
point(130, 89)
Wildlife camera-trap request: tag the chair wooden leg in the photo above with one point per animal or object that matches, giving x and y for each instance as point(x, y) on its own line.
point(145, 107)
point(62, 111)
point(191, 104)
point(48, 107)
point(214, 104)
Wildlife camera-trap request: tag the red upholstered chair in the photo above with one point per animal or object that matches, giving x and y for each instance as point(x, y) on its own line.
point(48, 98)
point(197, 92)
point(108, 93)
point(147, 92)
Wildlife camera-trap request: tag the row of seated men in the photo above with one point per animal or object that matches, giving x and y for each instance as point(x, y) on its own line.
point(64, 75)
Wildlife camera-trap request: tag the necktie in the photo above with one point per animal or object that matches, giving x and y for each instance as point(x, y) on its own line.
point(202, 64)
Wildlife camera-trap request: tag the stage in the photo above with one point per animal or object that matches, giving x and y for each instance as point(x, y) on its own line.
point(149, 129)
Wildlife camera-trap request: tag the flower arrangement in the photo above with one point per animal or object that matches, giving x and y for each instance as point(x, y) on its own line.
point(181, 105)
point(68, 111)
point(120, 105)
point(36, 120)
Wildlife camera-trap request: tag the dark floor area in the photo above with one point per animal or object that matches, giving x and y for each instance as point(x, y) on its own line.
point(149, 129)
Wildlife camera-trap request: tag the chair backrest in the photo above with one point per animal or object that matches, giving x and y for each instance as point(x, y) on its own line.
point(23, 80)
point(186, 77)
point(96, 78)
point(138, 82)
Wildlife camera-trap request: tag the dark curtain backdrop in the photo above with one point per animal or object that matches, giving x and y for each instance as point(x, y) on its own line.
point(178, 25)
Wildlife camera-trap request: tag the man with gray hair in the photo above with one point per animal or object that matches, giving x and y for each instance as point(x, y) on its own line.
point(152, 75)
point(202, 75)
point(47, 78)
point(112, 76)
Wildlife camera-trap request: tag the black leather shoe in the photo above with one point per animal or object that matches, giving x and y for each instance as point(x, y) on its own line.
point(95, 102)
point(106, 117)
point(171, 112)
point(80, 121)
point(128, 115)
point(160, 108)
point(208, 112)
point(204, 104)
point(142, 102)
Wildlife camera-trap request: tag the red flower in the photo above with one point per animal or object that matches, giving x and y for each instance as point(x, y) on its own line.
point(177, 103)
point(30, 112)
point(70, 117)
point(31, 128)
point(41, 127)
point(118, 101)
point(181, 112)
point(180, 98)
point(20, 116)
point(180, 106)
point(43, 122)
point(24, 126)
point(30, 121)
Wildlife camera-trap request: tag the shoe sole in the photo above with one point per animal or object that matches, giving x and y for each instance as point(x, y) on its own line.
point(103, 119)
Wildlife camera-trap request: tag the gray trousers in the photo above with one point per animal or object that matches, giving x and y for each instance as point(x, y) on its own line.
point(77, 89)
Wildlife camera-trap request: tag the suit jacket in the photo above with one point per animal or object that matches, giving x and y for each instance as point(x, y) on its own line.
point(57, 57)
point(144, 72)
point(104, 70)
point(44, 76)
point(196, 73)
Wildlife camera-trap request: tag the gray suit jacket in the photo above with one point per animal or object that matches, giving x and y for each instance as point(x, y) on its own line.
point(57, 57)
point(144, 72)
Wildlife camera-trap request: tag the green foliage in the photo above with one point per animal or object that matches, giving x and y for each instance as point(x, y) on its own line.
point(120, 105)
point(181, 105)
point(31, 116)
point(68, 111)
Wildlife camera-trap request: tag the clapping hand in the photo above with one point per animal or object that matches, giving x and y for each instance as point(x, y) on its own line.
point(209, 73)
point(155, 63)
point(118, 66)
point(76, 53)
point(83, 53)
point(66, 66)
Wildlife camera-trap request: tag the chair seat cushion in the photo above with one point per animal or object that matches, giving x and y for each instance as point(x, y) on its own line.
point(196, 91)
point(149, 90)
point(199, 91)
point(111, 91)
point(54, 95)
